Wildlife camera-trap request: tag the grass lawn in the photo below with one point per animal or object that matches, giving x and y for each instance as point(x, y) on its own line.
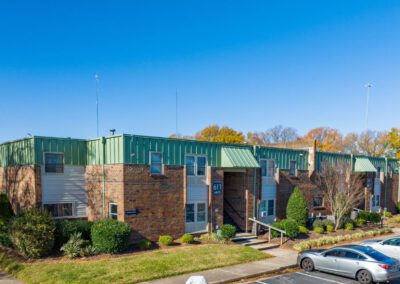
point(131, 268)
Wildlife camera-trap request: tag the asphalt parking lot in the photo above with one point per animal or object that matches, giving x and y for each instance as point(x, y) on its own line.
point(302, 277)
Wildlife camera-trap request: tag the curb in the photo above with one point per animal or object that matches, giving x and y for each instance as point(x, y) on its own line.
point(244, 277)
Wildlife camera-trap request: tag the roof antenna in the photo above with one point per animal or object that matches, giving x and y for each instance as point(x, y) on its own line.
point(112, 131)
point(176, 113)
point(96, 77)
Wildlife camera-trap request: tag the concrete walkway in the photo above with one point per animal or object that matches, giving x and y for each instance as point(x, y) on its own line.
point(284, 258)
point(6, 279)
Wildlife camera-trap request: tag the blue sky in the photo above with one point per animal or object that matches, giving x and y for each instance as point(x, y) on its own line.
point(246, 64)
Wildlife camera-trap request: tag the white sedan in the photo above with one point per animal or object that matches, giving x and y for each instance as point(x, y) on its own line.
point(389, 247)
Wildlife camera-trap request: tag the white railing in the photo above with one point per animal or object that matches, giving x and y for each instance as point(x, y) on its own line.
point(270, 228)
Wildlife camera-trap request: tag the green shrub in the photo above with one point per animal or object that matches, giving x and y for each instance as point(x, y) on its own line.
point(373, 217)
point(208, 237)
point(227, 232)
point(32, 233)
point(89, 250)
point(4, 235)
point(110, 235)
point(349, 226)
point(165, 240)
point(345, 220)
point(278, 225)
point(329, 228)
point(319, 230)
point(318, 223)
point(143, 244)
point(6, 211)
point(73, 247)
point(360, 221)
point(387, 214)
point(187, 239)
point(291, 227)
point(297, 208)
point(395, 219)
point(66, 228)
point(303, 230)
point(328, 222)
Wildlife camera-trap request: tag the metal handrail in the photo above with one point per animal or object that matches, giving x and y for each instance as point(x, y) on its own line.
point(270, 228)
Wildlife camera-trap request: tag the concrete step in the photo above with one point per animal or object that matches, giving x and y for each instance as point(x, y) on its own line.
point(251, 242)
point(264, 246)
point(241, 237)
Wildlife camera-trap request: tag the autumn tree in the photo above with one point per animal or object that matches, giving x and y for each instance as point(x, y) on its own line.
point(276, 134)
point(343, 190)
point(328, 139)
point(373, 143)
point(394, 141)
point(224, 134)
point(350, 143)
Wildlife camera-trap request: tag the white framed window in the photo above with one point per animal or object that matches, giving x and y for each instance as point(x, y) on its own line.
point(293, 168)
point(196, 212)
point(196, 165)
point(113, 210)
point(267, 167)
point(201, 212)
point(53, 162)
point(156, 163)
point(60, 210)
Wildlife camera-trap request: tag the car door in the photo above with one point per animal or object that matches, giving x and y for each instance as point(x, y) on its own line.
point(349, 262)
point(389, 247)
point(328, 261)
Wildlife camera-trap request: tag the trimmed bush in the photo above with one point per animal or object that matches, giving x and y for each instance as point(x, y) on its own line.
point(227, 232)
point(4, 235)
point(208, 237)
point(329, 228)
point(66, 228)
point(360, 221)
point(373, 217)
point(318, 223)
point(110, 235)
point(6, 211)
point(32, 233)
point(297, 208)
point(387, 214)
point(187, 239)
point(345, 220)
point(319, 230)
point(349, 226)
point(165, 240)
point(291, 227)
point(303, 230)
point(143, 244)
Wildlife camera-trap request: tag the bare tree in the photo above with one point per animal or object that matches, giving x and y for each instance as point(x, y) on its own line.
point(279, 133)
point(373, 143)
point(343, 190)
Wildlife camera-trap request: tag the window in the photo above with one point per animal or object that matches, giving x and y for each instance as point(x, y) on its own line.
point(113, 211)
point(54, 163)
point(155, 163)
point(332, 253)
point(267, 168)
point(190, 213)
point(196, 165)
point(378, 172)
point(201, 212)
point(317, 201)
point(190, 165)
point(377, 200)
point(292, 168)
point(59, 210)
point(201, 166)
point(263, 208)
point(271, 205)
point(352, 255)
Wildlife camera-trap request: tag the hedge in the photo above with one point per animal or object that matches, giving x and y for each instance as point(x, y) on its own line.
point(110, 236)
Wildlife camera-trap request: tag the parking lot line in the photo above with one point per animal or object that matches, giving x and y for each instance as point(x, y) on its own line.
point(320, 278)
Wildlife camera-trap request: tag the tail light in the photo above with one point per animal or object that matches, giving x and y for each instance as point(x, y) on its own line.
point(384, 266)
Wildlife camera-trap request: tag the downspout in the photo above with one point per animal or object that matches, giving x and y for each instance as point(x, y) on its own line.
point(103, 142)
point(385, 180)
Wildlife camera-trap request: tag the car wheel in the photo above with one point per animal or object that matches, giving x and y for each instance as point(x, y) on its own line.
point(307, 264)
point(364, 277)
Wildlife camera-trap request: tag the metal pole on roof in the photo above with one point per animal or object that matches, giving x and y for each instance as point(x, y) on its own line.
point(368, 86)
point(96, 76)
point(176, 113)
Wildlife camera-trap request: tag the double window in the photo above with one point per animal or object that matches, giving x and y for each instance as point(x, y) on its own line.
point(113, 211)
point(267, 207)
point(318, 201)
point(267, 167)
point(156, 163)
point(53, 162)
point(60, 210)
point(196, 165)
point(196, 212)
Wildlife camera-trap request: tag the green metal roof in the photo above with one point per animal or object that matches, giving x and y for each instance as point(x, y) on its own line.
point(238, 157)
point(364, 165)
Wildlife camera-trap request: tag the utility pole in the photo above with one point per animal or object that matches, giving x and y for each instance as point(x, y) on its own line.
point(96, 77)
point(368, 86)
point(176, 113)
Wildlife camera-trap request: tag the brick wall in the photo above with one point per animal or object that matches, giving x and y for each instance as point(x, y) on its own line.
point(392, 191)
point(114, 186)
point(22, 184)
point(160, 200)
point(285, 187)
point(238, 195)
